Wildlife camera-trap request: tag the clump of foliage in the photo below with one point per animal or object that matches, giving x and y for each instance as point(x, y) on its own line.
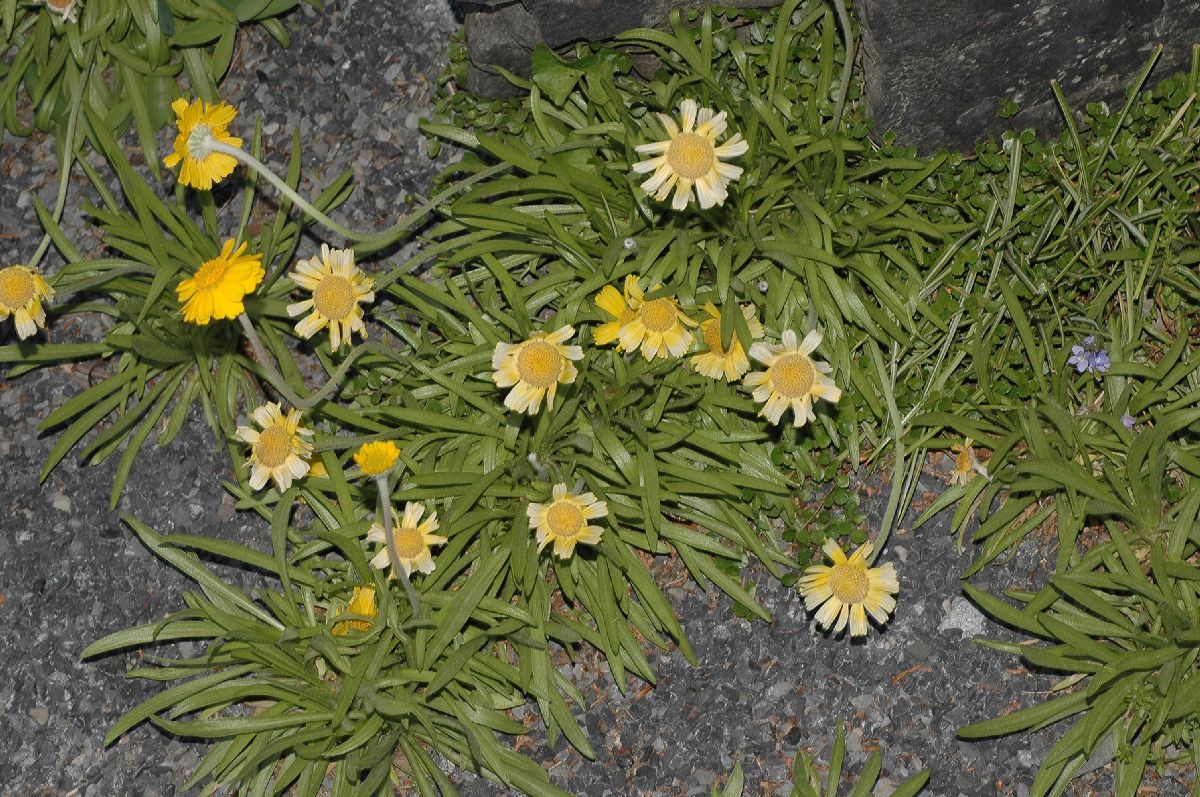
point(952, 292)
point(807, 780)
point(121, 59)
point(684, 463)
point(1093, 235)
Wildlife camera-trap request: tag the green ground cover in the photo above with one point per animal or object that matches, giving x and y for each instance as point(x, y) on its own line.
point(1034, 304)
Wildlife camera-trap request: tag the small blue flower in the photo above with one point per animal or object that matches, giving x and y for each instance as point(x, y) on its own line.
point(1087, 356)
point(1128, 421)
point(1082, 360)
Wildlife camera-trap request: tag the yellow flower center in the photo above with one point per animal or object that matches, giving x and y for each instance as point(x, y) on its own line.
point(691, 155)
point(565, 519)
point(211, 274)
point(539, 364)
point(409, 542)
point(962, 462)
point(658, 315)
point(16, 287)
point(334, 298)
point(273, 447)
point(849, 583)
point(712, 337)
point(793, 375)
point(627, 315)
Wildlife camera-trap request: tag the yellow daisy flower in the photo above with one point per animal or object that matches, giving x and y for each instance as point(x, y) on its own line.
point(22, 291)
point(658, 327)
point(217, 288)
point(338, 286)
point(564, 521)
point(412, 537)
point(848, 590)
point(534, 368)
point(362, 603)
point(719, 362)
point(64, 8)
point(279, 451)
point(965, 463)
point(375, 459)
point(612, 302)
point(201, 123)
point(792, 378)
point(690, 158)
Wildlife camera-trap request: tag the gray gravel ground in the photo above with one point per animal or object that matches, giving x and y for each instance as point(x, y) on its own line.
point(354, 83)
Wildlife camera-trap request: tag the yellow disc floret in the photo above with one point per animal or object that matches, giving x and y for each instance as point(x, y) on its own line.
point(849, 583)
point(540, 364)
point(691, 155)
point(274, 446)
point(658, 315)
point(16, 286)
point(335, 298)
point(793, 375)
point(564, 519)
point(711, 332)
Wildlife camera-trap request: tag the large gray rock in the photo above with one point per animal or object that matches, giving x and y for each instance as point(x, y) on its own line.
point(503, 33)
point(937, 70)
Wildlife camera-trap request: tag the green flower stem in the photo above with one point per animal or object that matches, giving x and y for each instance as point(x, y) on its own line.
point(367, 242)
point(285, 189)
point(385, 498)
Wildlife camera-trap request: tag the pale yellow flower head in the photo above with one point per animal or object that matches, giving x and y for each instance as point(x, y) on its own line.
point(200, 123)
point(278, 449)
point(659, 328)
point(848, 590)
point(792, 379)
point(362, 603)
point(375, 459)
point(689, 158)
point(413, 539)
point(22, 291)
point(534, 368)
point(338, 289)
point(218, 287)
point(720, 362)
point(564, 521)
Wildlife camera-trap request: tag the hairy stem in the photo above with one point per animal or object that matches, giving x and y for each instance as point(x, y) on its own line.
point(398, 572)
